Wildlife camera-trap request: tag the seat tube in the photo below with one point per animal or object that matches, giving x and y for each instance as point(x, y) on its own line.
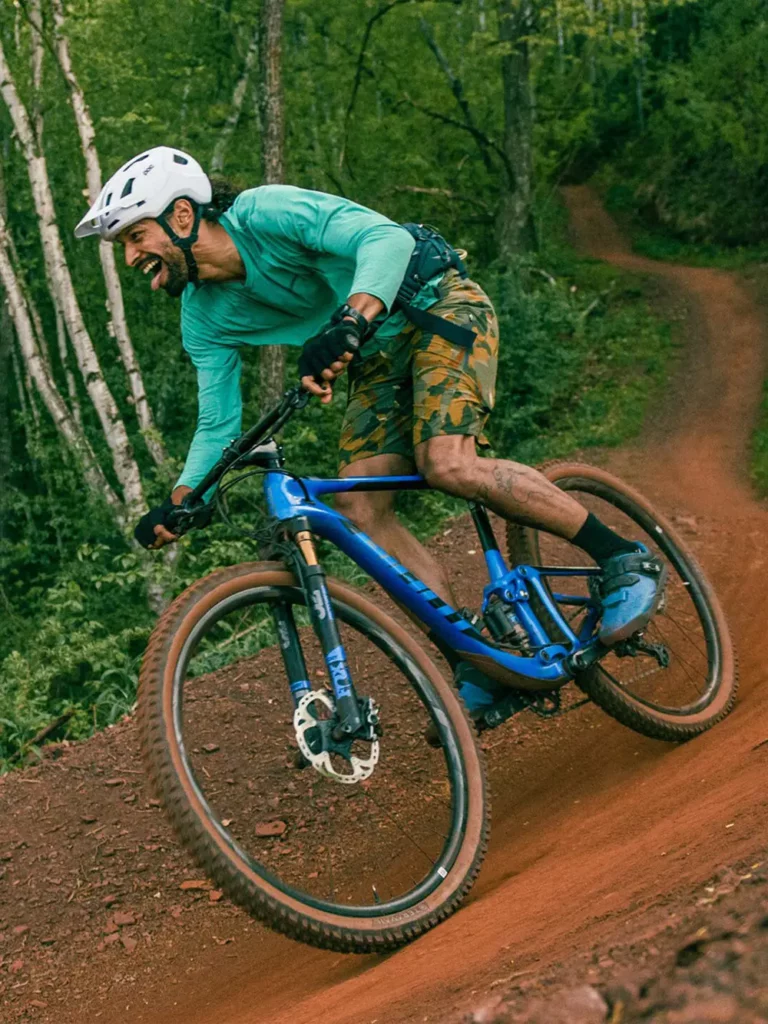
point(324, 623)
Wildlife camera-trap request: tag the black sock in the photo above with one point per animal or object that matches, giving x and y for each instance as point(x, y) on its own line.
point(600, 542)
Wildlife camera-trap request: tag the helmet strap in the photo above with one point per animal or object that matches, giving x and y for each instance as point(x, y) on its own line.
point(185, 244)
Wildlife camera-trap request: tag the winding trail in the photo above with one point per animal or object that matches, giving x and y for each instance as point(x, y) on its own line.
point(594, 827)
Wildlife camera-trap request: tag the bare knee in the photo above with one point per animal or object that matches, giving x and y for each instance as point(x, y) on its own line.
point(449, 471)
point(366, 510)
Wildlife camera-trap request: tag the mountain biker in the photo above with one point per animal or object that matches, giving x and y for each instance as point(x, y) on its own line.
point(288, 266)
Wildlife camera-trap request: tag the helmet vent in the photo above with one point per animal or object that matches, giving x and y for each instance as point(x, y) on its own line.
point(127, 188)
point(108, 200)
point(134, 162)
point(177, 159)
point(112, 223)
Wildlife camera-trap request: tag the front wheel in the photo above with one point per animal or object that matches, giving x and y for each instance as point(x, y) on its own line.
point(360, 868)
point(697, 688)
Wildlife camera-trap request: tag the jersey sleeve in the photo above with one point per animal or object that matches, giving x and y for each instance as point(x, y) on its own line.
point(220, 408)
point(379, 248)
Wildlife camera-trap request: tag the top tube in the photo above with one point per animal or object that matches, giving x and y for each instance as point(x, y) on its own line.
point(316, 486)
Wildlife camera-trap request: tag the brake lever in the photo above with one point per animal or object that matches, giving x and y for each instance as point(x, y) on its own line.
point(189, 517)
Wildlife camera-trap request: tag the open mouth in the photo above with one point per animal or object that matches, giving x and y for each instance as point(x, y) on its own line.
point(153, 265)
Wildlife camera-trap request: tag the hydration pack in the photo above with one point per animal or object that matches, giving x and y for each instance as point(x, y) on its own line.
point(432, 255)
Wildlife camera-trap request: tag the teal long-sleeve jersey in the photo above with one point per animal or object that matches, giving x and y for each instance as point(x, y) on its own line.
point(304, 253)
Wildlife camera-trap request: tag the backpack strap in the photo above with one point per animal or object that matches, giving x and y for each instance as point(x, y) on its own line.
point(432, 255)
point(434, 324)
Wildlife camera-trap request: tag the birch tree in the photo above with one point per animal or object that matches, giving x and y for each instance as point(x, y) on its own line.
point(118, 326)
point(6, 375)
point(39, 371)
point(63, 294)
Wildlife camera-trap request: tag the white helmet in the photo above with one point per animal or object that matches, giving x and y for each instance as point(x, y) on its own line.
point(145, 187)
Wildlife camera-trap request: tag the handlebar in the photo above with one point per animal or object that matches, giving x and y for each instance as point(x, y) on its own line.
point(188, 514)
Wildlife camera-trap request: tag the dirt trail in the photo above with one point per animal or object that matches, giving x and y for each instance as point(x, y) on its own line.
point(595, 829)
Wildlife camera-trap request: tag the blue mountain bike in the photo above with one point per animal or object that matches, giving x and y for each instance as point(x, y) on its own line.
point(283, 713)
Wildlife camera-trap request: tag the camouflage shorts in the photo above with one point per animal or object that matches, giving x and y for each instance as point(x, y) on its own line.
point(420, 385)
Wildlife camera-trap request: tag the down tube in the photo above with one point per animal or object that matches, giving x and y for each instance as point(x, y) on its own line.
point(405, 588)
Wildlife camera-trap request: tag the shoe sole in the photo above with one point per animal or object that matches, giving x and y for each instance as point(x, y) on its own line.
point(640, 621)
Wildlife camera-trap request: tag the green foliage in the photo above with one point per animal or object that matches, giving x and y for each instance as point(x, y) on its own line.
point(759, 452)
point(700, 170)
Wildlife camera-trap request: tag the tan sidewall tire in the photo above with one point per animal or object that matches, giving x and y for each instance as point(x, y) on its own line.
point(162, 756)
point(616, 702)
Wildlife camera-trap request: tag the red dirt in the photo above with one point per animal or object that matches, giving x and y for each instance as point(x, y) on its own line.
point(599, 838)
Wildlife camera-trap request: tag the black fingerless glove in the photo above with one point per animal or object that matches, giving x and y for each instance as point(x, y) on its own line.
point(330, 344)
point(145, 528)
point(161, 516)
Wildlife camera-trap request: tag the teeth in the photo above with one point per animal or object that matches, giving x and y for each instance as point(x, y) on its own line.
point(152, 265)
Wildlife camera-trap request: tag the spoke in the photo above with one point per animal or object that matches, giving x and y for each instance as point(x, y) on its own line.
point(683, 662)
point(401, 775)
point(666, 615)
point(399, 826)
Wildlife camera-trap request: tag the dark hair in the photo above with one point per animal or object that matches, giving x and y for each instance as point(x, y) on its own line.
point(225, 192)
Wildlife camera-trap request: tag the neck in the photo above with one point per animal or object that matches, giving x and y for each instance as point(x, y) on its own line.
point(216, 254)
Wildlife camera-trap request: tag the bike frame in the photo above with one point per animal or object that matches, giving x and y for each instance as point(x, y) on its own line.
point(295, 502)
point(291, 499)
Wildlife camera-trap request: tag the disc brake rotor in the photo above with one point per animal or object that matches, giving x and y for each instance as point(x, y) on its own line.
point(304, 721)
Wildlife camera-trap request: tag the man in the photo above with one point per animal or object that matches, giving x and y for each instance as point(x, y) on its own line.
point(283, 265)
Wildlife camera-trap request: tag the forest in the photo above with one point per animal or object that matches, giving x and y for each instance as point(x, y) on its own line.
point(466, 114)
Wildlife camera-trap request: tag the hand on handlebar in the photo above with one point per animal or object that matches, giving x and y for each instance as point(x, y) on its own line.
point(165, 523)
point(325, 390)
point(326, 355)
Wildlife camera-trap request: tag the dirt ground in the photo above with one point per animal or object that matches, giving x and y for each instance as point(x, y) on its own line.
point(626, 878)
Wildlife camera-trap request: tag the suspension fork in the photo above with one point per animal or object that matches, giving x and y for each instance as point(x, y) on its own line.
point(291, 652)
point(313, 581)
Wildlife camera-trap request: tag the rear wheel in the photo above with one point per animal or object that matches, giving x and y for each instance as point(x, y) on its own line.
point(355, 867)
point(698, 687)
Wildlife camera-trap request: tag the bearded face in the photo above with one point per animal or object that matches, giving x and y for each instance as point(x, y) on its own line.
point(149, 250)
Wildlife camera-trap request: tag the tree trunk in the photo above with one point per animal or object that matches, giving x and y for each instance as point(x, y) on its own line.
point(36, 21)
point(272, 356)
point(119, 325)
point(39, 370)
point(515, 224)
point(6, 451)
point(63, 294)
point(6, 349)
point(61, 339)
point(238, 97)
point(639, 63)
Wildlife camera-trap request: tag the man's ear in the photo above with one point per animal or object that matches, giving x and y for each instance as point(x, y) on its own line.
point(182, 217)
